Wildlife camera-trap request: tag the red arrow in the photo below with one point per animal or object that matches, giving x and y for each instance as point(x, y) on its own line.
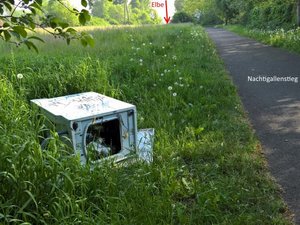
point(167, 18)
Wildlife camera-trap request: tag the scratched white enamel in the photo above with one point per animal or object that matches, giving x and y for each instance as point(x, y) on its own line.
point(80, 106)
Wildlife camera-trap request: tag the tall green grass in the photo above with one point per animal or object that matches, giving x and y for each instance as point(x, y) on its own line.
point(207, 165)
point(288, 39)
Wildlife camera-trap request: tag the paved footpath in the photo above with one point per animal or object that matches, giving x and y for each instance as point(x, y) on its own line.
point(273, 108)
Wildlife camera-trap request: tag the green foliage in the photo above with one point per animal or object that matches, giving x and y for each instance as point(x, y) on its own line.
point(266, 14)
point(137, 12)
point(179, 4)
point(207, 167)
point(227, 9)
point(96, 21)
point(273, 14)
point(182, 17)
point(21, 18)
point(55, 9)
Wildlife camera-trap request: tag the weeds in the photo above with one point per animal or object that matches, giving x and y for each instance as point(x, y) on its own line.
point(288, 39)
point(206, 170)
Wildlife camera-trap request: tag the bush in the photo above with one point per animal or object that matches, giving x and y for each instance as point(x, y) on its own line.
point(97, 21)
point(273, 14)
point(182, 17)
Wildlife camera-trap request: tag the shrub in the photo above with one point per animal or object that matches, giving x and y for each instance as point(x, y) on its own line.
point(182, 17)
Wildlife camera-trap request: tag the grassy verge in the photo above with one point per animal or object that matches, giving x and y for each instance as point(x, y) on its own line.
point(288, 39)
point(207, 165)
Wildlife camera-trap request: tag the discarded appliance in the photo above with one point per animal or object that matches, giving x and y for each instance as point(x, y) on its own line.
point(98, 126)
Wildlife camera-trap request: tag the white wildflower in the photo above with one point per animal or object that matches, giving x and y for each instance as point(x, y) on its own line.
point(170, 88)
point(174, 94)
point(20, 76)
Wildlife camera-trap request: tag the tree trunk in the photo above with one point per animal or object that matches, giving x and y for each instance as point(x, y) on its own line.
point(126, 12)
point(298, 13)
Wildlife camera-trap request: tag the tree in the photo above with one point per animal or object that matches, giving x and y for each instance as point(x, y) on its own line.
point(298, 13)
point(228, 9)
point(179, 4)
point(19, 17)
point(55, 8)
point(98, 8)
point(182, 17)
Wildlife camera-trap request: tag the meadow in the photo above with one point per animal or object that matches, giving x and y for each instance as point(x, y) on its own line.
point(208, 167)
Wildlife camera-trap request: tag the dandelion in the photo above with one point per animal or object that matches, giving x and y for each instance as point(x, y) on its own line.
point(191, 105)
point(174, 94)
point(138, 49)
point(132, 40)
point(170, 114)
point(180, 78)
point(144, 44)
point(150, 43)
point(154, 85)
point(154, 52)
point(170, 88)
point(174, 57)
point(201, 87)
point(181, 85)
point(20, 76)
point(165, 55)
point(141, 60)
point(169, 71)
point(141, 64)
point(165, 71)
point(163, 47)
point(176, 83)
point(131, 59)
point(162, 74)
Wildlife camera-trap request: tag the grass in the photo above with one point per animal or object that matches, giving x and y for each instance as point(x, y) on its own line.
point(207, 169)
point(288, 39)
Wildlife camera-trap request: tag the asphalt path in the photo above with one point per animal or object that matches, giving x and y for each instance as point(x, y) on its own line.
point(273, 108)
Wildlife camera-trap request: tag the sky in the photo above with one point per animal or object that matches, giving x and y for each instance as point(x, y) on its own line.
point(160, 10)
